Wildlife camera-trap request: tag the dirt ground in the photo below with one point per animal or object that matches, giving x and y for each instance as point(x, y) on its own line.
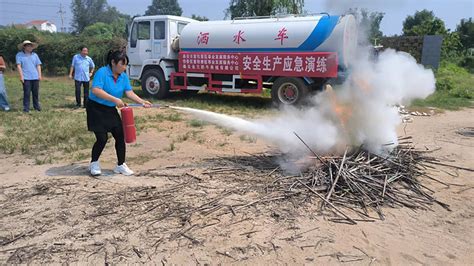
point(177, 209)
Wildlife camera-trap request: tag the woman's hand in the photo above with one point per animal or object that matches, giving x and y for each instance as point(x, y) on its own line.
point(119, 103)
point(146, 104)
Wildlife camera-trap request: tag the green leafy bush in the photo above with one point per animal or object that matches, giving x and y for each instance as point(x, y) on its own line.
point(456, 80)
point(454, 88)
point(99, 30)
point(57, 49)
point(468, 63)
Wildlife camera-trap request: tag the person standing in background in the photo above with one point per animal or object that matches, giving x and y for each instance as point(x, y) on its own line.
point(29, 67)
point(83, 67)
point(3, 90)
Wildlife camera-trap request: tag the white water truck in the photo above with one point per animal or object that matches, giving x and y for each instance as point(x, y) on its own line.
point(293, 54)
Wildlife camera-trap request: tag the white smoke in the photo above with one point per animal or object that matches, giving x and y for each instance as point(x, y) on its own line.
point(341, 6)
point(372, 91)
point(359, 112)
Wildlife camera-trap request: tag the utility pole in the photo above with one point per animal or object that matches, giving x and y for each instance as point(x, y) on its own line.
point(61, 13)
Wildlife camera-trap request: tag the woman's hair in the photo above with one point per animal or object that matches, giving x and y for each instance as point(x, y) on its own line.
point(82, 48)
point(117, 56)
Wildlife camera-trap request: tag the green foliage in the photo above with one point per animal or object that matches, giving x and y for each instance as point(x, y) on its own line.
point(451, 48)
point(56, 49)
point(10, 37)
point(196, 17)
point(443, 100)
point(107, 31)
point(250, 8)
point(423, 23)
point(456, 80)
point(465, 30)
point(99, 30)
point(372, 21)
point(369, 23)
point(454, 88)
point(468, 63)
point(426, 23)
point(89, 12)
point(164, 7)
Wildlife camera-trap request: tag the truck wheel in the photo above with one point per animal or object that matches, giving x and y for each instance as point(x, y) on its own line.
point(154, 84)
point(289, 91)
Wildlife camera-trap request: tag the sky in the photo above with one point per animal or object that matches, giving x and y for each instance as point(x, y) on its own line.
point(450, 11)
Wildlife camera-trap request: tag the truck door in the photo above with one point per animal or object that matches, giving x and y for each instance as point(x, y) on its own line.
point(140, 46)
point(160, 47)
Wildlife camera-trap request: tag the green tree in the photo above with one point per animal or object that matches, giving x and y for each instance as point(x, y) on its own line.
point(426, 23)
point(250, 8)
point(99, 30)
point(164, 7)
point(423, 23)
point(119, 24)
point(196, 17)
point(465, 29)
point(369, 23)
point(452, 46)
point(88, 12)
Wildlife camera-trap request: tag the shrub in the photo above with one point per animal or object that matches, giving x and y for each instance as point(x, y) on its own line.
point(56, 49)
point(468, 63)
point(457, 81)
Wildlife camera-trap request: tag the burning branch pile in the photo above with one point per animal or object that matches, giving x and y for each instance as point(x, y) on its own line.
point(362, 181)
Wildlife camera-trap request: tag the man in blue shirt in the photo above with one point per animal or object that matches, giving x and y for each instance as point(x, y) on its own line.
point(29, 67)
point(83, 67)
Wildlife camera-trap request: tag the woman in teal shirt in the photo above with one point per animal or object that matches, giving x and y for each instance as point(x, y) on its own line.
point(109, 84)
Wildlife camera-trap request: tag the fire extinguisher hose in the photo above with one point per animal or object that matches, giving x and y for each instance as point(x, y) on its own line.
point(155, 105)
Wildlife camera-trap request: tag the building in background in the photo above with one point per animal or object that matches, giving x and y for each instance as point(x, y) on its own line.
point(42, 25)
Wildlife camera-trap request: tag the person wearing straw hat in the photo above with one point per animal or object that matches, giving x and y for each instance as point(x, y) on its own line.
point(29, 67)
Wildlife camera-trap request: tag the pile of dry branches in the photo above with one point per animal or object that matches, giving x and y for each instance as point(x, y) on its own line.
point(363, 182)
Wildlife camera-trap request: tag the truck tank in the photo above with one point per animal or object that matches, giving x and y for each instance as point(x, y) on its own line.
point(316, 33)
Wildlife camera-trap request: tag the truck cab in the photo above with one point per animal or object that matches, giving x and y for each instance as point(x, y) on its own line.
point(149, 48)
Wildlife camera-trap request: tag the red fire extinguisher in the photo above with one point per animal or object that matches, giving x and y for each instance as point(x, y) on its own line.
point(128, 124)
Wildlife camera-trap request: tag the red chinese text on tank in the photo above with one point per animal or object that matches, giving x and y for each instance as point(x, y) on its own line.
point(282, 35)
point(239, 37)
point(203, 38)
